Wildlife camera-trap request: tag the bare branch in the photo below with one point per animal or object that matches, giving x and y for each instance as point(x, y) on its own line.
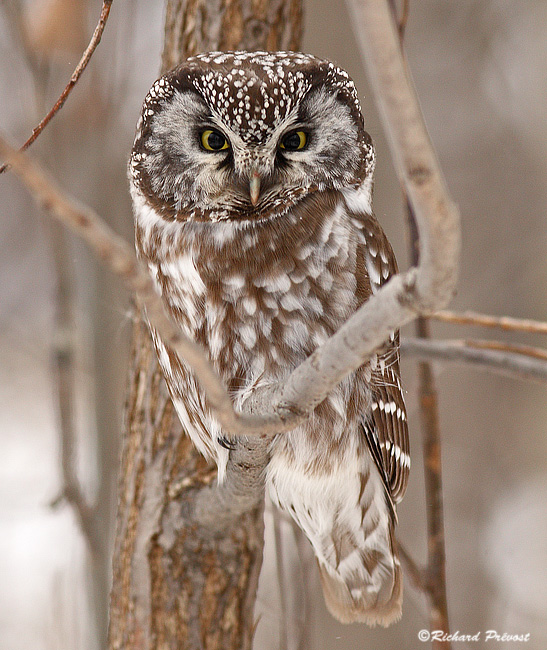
point(482, 320)
point(435, 572)
point(522, 362)
point(525, 350)
point(436, 215)
point(82, 65)
point(307, 386)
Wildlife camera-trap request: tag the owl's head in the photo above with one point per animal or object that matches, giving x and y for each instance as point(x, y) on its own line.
point(245, 135)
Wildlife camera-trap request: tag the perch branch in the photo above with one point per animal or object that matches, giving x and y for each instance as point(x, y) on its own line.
point(82, 65)
point(396, 303)
point(522, 362)
point(483, 320)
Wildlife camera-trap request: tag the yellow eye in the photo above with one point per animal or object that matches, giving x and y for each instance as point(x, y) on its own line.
point(212, 140)
point(294, 141)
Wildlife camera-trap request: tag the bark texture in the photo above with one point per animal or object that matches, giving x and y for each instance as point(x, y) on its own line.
point(177, 582)
point(188, 555)
point(193, 26)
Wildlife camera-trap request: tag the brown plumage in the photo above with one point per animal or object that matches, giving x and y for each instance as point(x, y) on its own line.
point(251, 177)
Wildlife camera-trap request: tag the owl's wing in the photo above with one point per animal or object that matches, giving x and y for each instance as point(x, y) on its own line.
point(385, 427)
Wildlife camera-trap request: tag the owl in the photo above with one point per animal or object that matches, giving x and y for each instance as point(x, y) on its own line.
point(251, 178)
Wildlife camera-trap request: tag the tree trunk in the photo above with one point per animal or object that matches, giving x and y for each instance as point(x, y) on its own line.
point(187, 560)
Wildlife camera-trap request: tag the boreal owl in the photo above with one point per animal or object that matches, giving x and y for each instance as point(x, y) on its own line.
point(251, 177)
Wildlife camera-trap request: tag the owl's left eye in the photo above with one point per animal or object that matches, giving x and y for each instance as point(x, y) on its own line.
point(213, 140)
point(294, 141)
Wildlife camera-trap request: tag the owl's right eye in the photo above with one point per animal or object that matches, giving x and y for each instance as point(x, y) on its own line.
point(212, 140)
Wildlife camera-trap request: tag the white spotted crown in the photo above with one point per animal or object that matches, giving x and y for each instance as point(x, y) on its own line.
point(252, 90)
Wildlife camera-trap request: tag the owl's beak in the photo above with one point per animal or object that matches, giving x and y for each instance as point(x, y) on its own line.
point(254, 187)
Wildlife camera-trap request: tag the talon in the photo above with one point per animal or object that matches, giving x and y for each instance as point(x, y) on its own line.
point(230, 445)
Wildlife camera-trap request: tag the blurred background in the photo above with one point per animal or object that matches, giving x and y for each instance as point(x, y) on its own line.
point(480, 69)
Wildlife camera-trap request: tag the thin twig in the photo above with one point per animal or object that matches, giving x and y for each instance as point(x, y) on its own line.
point(82, 65)
point(403, 20)
point(513, 361)
point(483, 320)
point(431, 441)
point(63, 366)
point(516, 348)
point(412, 570)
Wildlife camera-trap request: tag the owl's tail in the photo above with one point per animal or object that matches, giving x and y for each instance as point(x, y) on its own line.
point(371, 593)
point(349, 520)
